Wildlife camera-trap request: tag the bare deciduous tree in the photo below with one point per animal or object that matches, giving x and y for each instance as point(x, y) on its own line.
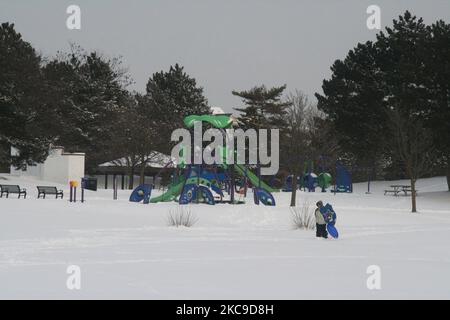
point(414, 146)
point(138, 137)
point(294, 142)
point(307, 136)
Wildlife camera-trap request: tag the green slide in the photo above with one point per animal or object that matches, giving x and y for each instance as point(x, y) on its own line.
point(250, 175)
point(217, 121)
point(253, 178)
point(173, 191)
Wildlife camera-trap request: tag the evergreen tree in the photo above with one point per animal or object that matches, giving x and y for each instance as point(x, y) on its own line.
point(174, 95)
point(438, 119)
point(263, 108)
point(401, 72)
point(85, 96)
point(392, 102)
point(405, 79)
point(21, 111)
point(353, 102)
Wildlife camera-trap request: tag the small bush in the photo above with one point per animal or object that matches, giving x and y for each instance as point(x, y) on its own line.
point(181, 217)
point(303, 217)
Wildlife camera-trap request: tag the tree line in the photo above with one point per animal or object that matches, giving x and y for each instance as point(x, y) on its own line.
point(80, 100)
point(389, 100)
point(385, 108)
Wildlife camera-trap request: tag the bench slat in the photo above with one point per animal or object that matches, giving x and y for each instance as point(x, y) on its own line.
point(49, 190)
point(11, 189)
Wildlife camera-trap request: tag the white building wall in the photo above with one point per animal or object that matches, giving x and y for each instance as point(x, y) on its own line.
point(59, 167)
point(55, 167)
point(75, 167)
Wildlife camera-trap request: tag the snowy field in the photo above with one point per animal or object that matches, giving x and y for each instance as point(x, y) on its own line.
point(126, 250)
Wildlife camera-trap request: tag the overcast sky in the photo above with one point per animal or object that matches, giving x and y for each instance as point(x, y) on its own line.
point(226, 45)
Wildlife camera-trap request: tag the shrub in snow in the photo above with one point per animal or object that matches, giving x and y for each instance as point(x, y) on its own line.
point(303, 217)
point(181, 217)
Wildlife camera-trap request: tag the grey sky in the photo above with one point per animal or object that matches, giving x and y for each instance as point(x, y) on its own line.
point(225, 45)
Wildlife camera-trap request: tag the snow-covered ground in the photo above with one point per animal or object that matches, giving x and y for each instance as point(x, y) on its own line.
point(126, 250)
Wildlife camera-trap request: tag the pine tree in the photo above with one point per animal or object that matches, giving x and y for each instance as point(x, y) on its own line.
point(174, 95)
point(353, 101)
point(438, 63)
point(21, 112)
point(263, 108)
point(404, 76)
point(382, 99)
point(85, 96)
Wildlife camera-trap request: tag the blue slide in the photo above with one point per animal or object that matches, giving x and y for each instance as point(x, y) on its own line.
point(191, 191)
point(141, 193)
point(264, 196)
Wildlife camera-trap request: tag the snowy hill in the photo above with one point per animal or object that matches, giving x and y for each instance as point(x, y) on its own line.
point(126, 250)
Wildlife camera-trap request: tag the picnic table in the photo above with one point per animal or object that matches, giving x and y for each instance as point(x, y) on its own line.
point(399, 188)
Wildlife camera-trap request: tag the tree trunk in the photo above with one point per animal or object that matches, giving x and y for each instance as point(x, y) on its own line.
point(142, 174)
point(294, 190)
point(131, 178)
point(448, 177)
point(413, 196)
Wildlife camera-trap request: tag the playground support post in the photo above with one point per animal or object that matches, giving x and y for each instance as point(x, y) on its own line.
point(259, 174)
point(83, 184)
point(245, 182)
point(73, 194)
point(255, 194)
point(232, 183)
point(73, 191)
point(199, 169)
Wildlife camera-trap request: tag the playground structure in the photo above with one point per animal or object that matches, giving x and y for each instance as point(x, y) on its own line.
point(309, 181)
point(343, 179)
point(211, 184)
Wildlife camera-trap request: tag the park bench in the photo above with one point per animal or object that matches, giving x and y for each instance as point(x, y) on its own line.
point(44, 190)
point(7, 189)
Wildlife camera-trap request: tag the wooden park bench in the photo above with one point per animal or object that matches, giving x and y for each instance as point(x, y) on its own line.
point(44, 190)
point(7, 189)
